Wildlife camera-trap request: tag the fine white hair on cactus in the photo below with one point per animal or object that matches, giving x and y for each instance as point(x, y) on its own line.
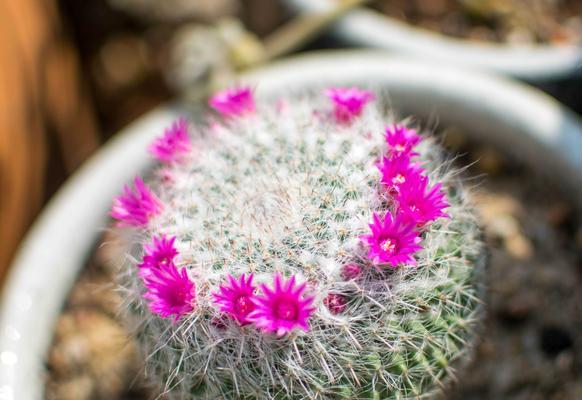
point(293, 192)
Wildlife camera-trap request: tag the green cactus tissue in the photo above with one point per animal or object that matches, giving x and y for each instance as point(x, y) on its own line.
point(303, 248)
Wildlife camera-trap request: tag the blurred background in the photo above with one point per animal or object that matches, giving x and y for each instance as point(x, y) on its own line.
point(73, 73)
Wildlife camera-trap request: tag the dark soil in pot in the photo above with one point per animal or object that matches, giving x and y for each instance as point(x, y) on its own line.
point(506, 21)
point(532, 341)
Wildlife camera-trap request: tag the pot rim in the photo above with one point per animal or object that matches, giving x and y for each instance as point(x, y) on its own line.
point(370, 28)
point(57, 246)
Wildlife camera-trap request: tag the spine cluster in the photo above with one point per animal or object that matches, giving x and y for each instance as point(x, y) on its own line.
point(260, 254)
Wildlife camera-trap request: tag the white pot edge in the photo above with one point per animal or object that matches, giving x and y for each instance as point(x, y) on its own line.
point(535, 63)
point(43, 273)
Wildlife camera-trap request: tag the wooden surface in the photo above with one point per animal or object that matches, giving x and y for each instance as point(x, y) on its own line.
point(46, 119)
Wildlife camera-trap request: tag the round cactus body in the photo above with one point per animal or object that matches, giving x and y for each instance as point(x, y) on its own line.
point(309, 248)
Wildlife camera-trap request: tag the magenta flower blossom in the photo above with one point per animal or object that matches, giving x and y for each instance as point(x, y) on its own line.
point(348, 102)
point(351, 271)
point(418, 203)
point(233, 102)
point(393, 241)
point(402, 140)
point(282, 308)
point(396, 171)
point(170, 292)
point(236, 298)
point(336, 303)
point(160, 251)
point(173, 144)
point(136, 207)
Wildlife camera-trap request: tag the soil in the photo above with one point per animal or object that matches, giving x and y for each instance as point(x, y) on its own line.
point(507, 21)
point(531, 347)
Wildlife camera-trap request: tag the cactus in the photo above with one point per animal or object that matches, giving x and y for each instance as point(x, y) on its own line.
point(307, 248)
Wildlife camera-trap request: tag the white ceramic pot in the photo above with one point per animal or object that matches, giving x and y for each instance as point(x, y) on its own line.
point(519, 120)
point(369, 28)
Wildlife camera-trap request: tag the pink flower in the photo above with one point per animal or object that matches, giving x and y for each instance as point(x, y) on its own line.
point(348, 102)
point(396, 171)
point(401, 140)
point(351, 271)
point(336, 303)
point(233, 102)
point(236, 298)
point(173, 144)
point(160, 251)
point(418, 203)
point(136, 207)
point(393, 241)
point(282, 308)
point(170, 292)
